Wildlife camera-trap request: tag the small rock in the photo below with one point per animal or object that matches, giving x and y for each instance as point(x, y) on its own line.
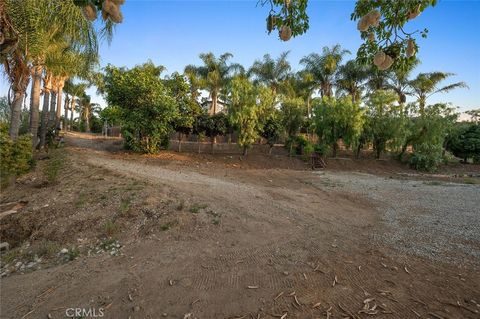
point(64, 251)
point(31, 264)
point(285, 273)
point(18, 264)
point(164, 314)
point(136, 308)
point(4, 246)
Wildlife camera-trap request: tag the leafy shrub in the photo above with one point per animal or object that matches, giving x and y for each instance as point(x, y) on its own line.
point(464, 141)
point(427, 157)
point(16, 157)
point(295, 144)
point(322, 149)
point(428, 136)
point(308, 150)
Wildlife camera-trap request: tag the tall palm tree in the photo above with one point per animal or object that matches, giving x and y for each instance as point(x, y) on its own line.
point(214, 74)
point(350, 79)
point(271, 72)
point(426, 85)
point(324, 66)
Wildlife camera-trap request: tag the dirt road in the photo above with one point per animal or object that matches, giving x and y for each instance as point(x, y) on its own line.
point(219, 239)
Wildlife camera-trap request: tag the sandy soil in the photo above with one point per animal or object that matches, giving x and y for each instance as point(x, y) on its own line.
point(206, 236)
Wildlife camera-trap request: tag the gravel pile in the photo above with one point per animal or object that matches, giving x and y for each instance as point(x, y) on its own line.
point(437, 220)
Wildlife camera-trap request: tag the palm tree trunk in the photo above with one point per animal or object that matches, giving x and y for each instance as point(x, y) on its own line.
point(51, 113)
point(35, 103)
point(58, 112)
point(72, 108)
point(66, 103)
point(422, 105)
point(214, 103)
point(16, 114)
point(87, 119)
point(20, 78)
point(45, 116)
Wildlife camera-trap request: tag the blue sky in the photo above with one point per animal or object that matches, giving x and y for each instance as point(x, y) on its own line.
point(173, 33)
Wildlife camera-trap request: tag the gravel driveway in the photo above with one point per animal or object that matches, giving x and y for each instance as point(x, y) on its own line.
point(432, 219)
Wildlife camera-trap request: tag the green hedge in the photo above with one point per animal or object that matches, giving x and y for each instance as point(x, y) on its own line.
point(16, 157)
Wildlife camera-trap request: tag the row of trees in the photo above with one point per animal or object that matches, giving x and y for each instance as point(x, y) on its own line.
point(339, 102)
point(47, 44)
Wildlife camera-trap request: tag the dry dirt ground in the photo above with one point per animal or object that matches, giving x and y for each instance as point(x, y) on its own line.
point(202, 236)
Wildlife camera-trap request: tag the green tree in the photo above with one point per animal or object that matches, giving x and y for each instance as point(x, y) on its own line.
point(384, 120)
point(323, 67)
point(244, 111)
point(111, 114)
point(350, 79)
point(428, 136)
point(214, 75)
point(293, 115)
point(147, 106)
point(86, 108)
point(336, 119)
point(271, 72)
point(188, 107)
point(213, 126)
point(464, 141)
point(426, 85)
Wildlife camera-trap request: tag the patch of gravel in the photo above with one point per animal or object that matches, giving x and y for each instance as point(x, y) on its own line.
point(437, 220)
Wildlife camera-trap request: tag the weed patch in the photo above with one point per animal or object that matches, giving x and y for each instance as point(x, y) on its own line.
point(196, 208)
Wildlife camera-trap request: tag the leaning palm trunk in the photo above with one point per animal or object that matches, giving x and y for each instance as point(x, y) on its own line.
point(20, 78)
point(35, 103)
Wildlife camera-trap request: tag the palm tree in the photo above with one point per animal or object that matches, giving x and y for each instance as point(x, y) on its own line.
point(350, 79)
point(399, 80)
point(426, 85)
point(73, 92)
point(86, 108)
point(271, 72)
point(214, 75)
point(195, 84)
point(324, 66)
point(31, 28)
point(47, 86)
point(377, 79)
